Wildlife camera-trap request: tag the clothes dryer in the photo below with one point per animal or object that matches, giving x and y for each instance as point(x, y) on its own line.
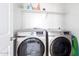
point(59, 43)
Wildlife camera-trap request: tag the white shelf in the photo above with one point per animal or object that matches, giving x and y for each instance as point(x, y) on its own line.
point(46, 12)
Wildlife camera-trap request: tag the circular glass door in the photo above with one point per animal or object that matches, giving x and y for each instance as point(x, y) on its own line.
point(61, 46)
point(31, 47)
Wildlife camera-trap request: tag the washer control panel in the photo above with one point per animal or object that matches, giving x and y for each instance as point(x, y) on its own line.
point(37, 33)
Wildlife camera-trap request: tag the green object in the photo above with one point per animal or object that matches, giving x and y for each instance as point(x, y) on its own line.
point(74, 46)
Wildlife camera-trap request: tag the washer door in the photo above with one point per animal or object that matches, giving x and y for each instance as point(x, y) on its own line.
point(61, 46)
point(31, 47)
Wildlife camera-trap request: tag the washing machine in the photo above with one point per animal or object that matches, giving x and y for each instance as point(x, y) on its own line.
point(59, 43)
point(30, 42)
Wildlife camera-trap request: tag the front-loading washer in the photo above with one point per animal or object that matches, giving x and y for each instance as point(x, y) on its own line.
point(30, 42)
point(59, 43)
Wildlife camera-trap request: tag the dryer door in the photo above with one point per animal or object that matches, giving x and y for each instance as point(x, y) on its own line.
point(31, 47)
point(61, 46)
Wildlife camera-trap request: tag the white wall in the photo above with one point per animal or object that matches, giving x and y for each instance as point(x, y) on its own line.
point(36, 20)
point(72, 18)
point(55, 7)
point(17, 17)
point(42, 20)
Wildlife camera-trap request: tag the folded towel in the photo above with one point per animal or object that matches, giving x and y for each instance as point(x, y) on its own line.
point(74, 46)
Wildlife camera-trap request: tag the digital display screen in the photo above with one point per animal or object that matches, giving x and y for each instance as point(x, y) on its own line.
point(39, 33)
